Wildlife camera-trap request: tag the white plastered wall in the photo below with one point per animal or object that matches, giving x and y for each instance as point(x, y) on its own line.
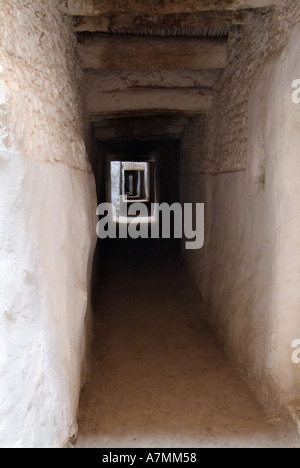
point(47, 227)
point(249, 269)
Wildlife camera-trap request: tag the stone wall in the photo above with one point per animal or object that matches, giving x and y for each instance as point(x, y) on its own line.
point(47, 226)
point(248, 270)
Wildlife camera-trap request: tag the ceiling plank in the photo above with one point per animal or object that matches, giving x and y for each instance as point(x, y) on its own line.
point(187, 24)
point(101, 116)
point(140, 128)
point(156, 121)
point(109, 81)
point(175, 100)
point(148, 53)
point(134, 7)
point(111, 134)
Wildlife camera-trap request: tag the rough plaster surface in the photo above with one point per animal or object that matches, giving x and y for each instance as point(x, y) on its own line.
point(47, 227)
point(227, 121)
point(248, 271)
point(40, 71)
point(195, 133)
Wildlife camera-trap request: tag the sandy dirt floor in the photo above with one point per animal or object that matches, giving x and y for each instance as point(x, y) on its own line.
point(159, 377)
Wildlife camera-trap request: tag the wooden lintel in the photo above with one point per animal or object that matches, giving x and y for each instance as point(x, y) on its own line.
point(186, 101)
point(134, 7)
point(151, 53)
point(187, 24)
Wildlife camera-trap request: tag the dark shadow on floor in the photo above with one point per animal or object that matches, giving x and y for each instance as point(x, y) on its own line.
point(159, 378)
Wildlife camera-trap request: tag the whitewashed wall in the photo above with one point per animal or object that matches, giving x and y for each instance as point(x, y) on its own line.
point(47, 226)
point(249, 269)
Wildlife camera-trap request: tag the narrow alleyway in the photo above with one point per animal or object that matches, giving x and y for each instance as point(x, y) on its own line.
point(159, 378)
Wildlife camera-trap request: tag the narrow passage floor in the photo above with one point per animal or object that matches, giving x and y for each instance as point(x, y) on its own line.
point(158, 377)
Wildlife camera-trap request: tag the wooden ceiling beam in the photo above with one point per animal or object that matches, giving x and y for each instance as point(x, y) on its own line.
point(162, 25)
point(191, 101)
point(140, 128)
point(134, 53)
point(134, 7)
